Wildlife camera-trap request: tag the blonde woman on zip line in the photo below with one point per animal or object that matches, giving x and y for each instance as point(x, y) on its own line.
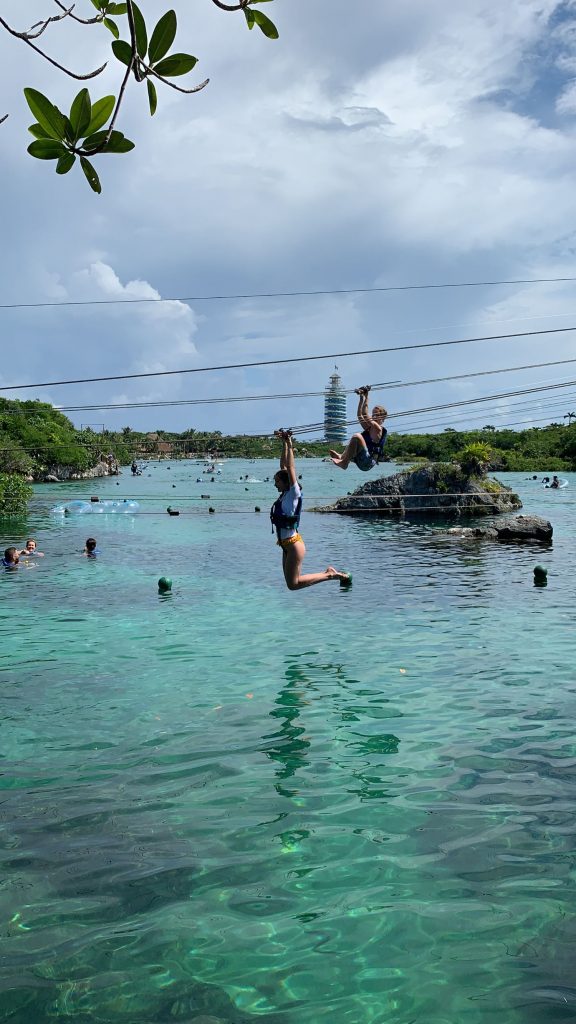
point(367, 448)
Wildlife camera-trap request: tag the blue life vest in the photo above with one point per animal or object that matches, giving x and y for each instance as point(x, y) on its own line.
point(375, 448)
point(281, 521)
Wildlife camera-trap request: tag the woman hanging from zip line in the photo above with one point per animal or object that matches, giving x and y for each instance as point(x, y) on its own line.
point(285, 517)
point(365, 449)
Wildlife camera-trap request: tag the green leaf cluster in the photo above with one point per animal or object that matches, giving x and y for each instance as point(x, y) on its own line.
point(258, 18)
point(152, 56)
point(80, 134)
point(15, 494)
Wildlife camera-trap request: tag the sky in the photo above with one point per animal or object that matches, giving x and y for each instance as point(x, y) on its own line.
point(372, 145)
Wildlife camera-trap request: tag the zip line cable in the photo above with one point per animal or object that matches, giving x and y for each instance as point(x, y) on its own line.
point(304, 394)
point(291, 359)
point(290, 295)
point(309, 428)
point(538, 405)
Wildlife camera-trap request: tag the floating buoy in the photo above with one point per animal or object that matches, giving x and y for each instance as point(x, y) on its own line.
point(211, 509)
point(540, 576)
point(164, 584)
point(347, 581)
point(205, 496)
point(257, 508)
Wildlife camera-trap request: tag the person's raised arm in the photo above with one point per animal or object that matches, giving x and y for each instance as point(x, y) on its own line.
point(290, 465)
point(363, 413)
point(287, 457)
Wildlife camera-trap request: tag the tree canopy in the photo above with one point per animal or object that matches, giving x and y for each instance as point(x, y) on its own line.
point(145, 53)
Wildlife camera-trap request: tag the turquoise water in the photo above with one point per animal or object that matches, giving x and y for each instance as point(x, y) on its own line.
point(239, 804)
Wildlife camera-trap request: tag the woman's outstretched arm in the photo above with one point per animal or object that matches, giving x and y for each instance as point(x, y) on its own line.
point(288, 454)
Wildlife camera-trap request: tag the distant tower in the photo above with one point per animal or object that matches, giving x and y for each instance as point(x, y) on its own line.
point(335, 411)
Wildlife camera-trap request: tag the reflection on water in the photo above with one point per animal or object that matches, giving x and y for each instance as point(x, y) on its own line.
point(242, 804)
point(288, 744)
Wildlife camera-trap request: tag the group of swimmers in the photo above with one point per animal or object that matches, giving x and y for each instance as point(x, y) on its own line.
point(12, 555)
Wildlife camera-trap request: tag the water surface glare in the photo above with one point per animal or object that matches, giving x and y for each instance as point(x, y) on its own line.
point(238, 804)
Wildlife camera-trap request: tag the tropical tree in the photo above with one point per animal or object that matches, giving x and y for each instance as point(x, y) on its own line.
point(89, 129)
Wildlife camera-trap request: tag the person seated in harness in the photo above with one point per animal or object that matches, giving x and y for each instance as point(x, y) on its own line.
point(367, 448)
point(285, 517)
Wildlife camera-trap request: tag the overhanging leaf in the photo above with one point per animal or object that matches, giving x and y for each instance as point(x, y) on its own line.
point(152, 97)
point(116, 144)
point(47, 115)
point(140, 31)
point(80, 113)
point(38, 131)
point(268, 27)
point(162, 37)
point(101, 111)
point(91, 176)
point(111, 26)
point(122, 50)
point(46, 149)
point(176, 64)
point(66, 161)
point(117, 8)
point(249, 15)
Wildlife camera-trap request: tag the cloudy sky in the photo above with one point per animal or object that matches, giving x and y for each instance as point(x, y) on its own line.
point(431, 141)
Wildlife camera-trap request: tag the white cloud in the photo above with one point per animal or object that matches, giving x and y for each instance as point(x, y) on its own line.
point(355, 150)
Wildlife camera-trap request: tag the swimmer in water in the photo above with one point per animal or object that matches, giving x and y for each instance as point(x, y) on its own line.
point(91, 550)
point(31, 549)
point(11, 558)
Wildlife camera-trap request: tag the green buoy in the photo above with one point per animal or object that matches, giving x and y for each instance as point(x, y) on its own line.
point(540, 576)
point(164, 584)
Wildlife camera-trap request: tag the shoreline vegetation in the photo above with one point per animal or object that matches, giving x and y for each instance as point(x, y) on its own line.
point(38, 442)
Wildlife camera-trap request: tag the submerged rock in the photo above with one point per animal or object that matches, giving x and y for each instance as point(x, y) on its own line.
point(511, 528)
point(440, 488)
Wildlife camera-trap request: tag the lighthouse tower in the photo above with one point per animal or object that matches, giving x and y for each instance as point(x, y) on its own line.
point(335, 410)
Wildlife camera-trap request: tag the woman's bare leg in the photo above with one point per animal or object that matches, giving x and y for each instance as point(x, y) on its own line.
point(354, 445)
point(292, 562)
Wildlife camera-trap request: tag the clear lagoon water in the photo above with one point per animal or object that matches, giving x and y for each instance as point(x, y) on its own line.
point(239, 804)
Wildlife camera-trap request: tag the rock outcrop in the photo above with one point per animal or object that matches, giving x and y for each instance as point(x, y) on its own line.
point(509, 528)
point(436, 489)
point(60, 474)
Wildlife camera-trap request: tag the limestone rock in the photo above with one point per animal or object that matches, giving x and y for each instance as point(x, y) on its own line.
point(61, 474)
point(436, 489)
point(509, 528)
